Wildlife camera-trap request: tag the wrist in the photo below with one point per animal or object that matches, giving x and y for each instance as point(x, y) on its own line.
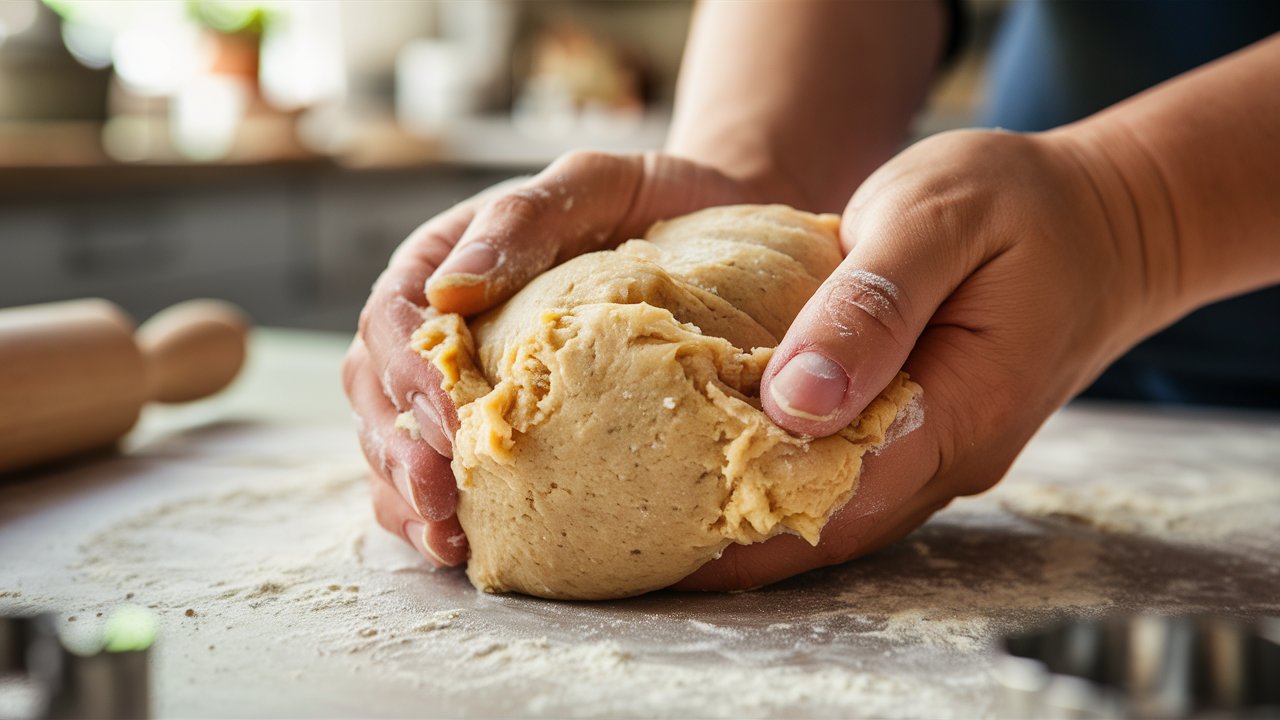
point(1140, 227)
point(1190, 159)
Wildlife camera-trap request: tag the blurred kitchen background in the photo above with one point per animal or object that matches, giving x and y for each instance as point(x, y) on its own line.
point(274, 153)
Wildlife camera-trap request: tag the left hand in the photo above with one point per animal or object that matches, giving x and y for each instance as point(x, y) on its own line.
point(466, 260)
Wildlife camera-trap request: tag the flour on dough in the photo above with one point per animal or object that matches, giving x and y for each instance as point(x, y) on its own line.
point(611, 437)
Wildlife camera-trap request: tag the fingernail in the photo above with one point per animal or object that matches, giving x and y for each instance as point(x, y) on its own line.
point(416, 533)
point(430, 426)
point(809, 386)
point(475, 258)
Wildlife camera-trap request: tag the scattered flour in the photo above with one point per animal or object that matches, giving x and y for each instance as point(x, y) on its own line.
point(1161, 480)
point(963, 635)
point(282, 590)
point(1189, 510)
point(295, 577)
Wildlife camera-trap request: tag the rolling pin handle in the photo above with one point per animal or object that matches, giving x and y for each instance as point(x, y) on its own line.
point(192, 349)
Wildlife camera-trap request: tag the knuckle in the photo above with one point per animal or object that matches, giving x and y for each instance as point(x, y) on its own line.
point(579, 161)
point(366, 317)
point(944, 204)
point(854, 296)
point(420, 251)
point(352, 364)
point(385, 517)
point(384, 522)
point(382, 299)
point(520, 205)
point(434, 248)
point(348, 375)
point(374, 448)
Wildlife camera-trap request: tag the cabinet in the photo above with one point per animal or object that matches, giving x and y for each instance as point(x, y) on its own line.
point(296, 249)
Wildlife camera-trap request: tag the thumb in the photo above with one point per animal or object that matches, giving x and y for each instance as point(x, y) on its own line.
point(520, 229)
point(584, 201)
point(856, 332)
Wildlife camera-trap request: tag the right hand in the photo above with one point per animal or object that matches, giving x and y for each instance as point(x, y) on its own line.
point(466, 260)
point(1003, 272)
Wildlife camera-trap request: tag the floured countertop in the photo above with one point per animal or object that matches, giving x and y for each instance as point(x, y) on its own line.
point(243, 523)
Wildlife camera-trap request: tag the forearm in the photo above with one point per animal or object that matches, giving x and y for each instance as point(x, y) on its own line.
point(806, 97)
point(1195, 163)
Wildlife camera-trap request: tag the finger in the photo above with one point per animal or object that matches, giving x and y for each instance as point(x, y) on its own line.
point(421, 476)
point(442, 543)
point(422, 251)
point(405, 379)
point(354, 366)
point(582, 202)
point(396, 517)
point(448, 541)
point(395, 309)
point(856, 332)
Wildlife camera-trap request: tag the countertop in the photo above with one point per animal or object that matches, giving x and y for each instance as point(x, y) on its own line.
point(243, 523)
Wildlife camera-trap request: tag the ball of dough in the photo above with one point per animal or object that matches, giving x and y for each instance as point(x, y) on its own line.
point(611, 437)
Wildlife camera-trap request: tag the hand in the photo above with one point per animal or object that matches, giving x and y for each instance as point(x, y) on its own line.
point(988, 264)
point(466, 260)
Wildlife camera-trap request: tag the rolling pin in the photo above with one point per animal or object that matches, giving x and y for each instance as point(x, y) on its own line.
point(74, 375)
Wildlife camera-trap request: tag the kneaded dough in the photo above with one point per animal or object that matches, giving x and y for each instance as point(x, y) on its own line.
point(611, 437)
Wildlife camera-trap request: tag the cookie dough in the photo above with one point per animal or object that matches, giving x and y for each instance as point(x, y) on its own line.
point(611, 437)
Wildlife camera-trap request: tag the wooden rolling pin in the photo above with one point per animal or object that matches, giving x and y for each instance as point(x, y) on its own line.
point(74, 375)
